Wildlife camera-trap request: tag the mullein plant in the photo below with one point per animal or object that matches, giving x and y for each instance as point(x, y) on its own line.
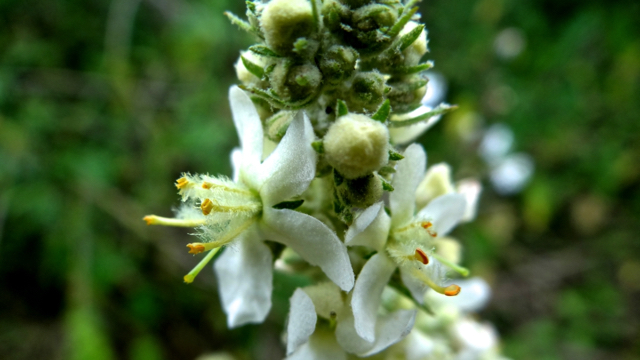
point(325, 185)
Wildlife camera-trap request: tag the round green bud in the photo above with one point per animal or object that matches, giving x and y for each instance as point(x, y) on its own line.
point(361, 192)
point(338, 63)
point(294, 82)
point(367, 90)
point(355, 3)
point(356, 145)
point(373, 17)
point(407, 93)
point(414, 52)
point(284, 21)
point(334, 13)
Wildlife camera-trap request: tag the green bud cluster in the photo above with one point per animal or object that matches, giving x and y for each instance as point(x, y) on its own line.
point(350, 65)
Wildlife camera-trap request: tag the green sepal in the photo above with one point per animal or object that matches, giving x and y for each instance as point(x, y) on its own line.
point(318, 146)
point(253, 68)
point(385, 185)
point(406, 70)
point(404, 19)
point(408, 38)
point(264, 51)
point(439, 110)
point(382, 114)
point(251, 6)
point(242, 24)
point(386, 170)
point(300, 45)
point(276, 101)
point(289, 204)
point(395, 156)
point(342, 108)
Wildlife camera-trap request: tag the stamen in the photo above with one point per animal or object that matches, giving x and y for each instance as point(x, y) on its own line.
point(207, 185)
point(452, 290)
point(159, 220)
point(426, 224)
point(421, 256)
point(182, 183)
point(195, 248)
point(196, 270)
point(457, 268)
point(206, 206)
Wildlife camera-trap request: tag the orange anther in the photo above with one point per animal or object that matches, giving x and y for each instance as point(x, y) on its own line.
point(195, 248)
point(182, 183)
point(452, 290)
point(421, 256)
point(206, 206)
point(207, 185)
point(426, 224)
point(149, 219)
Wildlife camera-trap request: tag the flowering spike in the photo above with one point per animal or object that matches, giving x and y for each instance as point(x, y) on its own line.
point(421, 256)
point(206, 206)
point(452, 290)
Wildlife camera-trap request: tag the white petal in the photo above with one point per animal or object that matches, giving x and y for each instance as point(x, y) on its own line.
point(288, 171)
point(367, 292)
point(322, 345)
point(409, 172)
point(312, 240)
point(302, 320)
point(416, 287)
point(249, 127)
point(245, 279)
point(390, 329)
point(236, 163)
point(370, 228)
point(436, 182)
point(470, 189)
point(406, 134)
point(418, 346)
point(445, 212)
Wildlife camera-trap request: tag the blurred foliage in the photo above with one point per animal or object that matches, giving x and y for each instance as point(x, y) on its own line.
point(104, 104)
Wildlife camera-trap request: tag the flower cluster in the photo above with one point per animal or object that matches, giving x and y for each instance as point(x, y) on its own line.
point(330, 96)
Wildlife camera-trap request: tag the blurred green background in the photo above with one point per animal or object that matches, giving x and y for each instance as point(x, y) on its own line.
point(104, 103)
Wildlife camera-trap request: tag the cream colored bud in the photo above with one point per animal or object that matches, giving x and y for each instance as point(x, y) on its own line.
point(436, 182)
point(284, 21)
point(356, 145)
point(242, 73)
point(414, 52)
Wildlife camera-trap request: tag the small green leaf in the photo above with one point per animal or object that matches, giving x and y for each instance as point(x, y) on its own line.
point(253, 68)
point(264, 51)
point(386, 170)
point(242, 24)
point(382, 114)
point(289, 204)
point(342, 108)
point(251, 6)
point(408, 38)
point(395, 156)
point(406, 70)
point(318, 146)
point(439, 110)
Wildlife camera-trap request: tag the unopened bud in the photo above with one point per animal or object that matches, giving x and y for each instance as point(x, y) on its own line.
point(338, 63)
point(361, 192)
point(356, 145)
point(414, 52)
point(436, 182)
point(368, 90)
point(284, 21)
point(333, 14)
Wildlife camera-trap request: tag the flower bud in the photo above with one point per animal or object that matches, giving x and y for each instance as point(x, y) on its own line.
point(338, 63)
point(356, 3)
point(244, 75)
point(361, 192)
point(407, 93)
point(295, 82)
point(284, 21)
point(436, 182)
point(334, 13)
point(414, 52)
point(367, 90)
point(356, 145)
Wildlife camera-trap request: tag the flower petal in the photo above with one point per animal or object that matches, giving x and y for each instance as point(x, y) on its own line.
point(245, 279)
point(249, 127)
point(445, 212)
point(409, 172)
point(322, 345)
point(367, 294)
point(370, 228)
point(288, 171)
point(389, 330)
point(471, 189)
point(236, 163)
point(416, 287)
point(302, 320)
point(312, 240)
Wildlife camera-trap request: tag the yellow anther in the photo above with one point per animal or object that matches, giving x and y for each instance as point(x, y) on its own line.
point(196, 248)
point(150, 219)
point(206, 206)
point(426, 224)
point(421, 256)
point(207, 185)
point(182, 183)
point(452, 290)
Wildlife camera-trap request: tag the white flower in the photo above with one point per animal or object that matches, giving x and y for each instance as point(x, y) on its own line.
point(404, 240)
point(307, 340)
point(243, 211)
